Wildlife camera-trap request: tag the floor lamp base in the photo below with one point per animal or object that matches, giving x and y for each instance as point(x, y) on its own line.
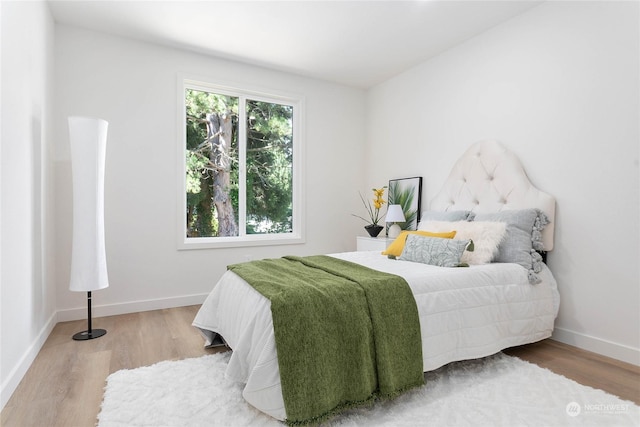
point(86, 335)
point(90, 333)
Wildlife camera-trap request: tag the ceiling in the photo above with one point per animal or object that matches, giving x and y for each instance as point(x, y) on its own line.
point(357, 43)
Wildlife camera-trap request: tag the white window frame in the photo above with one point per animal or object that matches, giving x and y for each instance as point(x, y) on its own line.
point(242, 92)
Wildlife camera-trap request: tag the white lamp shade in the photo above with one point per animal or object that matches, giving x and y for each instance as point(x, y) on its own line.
point(395, 214)
point(88, 137)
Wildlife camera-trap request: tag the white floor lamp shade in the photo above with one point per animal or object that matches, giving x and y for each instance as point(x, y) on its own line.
point(88, 138)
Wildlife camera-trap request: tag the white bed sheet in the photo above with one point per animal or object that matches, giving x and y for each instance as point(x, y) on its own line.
point(465, 313)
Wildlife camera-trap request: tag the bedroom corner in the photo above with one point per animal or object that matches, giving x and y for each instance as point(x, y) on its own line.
point(564, 98)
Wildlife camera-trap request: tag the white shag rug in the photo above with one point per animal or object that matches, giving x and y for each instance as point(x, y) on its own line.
point(495, 391)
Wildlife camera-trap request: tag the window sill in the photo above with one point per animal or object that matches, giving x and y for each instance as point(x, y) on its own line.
point(239, 242)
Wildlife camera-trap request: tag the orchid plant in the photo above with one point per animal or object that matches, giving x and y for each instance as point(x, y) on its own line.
point(373, 209)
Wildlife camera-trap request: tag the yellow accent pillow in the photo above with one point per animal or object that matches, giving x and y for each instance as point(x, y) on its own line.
point(397, 246)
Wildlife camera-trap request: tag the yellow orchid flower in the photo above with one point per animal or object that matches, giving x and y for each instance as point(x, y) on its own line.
point(373, 211)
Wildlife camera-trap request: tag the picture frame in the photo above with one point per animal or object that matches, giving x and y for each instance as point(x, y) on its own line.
point(407, 192)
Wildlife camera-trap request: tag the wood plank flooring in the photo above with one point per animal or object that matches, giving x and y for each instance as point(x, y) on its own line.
point(587, 368)
point(65, 383)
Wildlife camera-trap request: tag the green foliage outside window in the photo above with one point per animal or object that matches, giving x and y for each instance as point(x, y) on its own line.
point(213, 160)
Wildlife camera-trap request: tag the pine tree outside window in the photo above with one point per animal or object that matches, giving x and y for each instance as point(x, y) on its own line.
point(240, 160)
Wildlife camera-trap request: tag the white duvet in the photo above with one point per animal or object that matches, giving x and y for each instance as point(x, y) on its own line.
point(465, 313)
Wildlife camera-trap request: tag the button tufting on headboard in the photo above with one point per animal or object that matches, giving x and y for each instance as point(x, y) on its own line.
point(490, 178)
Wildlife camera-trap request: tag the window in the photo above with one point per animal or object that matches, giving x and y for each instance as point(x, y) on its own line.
point(240, 161)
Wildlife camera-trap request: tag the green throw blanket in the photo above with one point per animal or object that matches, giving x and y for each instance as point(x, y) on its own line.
point(345, 334)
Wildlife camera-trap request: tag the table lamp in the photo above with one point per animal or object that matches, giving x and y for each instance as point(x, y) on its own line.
point(394, 215)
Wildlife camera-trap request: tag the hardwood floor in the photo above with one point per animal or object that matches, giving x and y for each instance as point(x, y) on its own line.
point(65, 383)
point(591, 369)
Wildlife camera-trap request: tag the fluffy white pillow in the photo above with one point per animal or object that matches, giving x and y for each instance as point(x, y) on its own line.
point(486, 236)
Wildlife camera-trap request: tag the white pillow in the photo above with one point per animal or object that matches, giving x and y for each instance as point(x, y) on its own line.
point(486, 236)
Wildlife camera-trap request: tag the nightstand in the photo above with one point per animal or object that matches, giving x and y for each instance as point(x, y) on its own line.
point(373, 243)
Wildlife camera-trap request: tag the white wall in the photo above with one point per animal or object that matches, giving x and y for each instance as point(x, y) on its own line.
point(559, 86)
point(27, 297)
point(133, 85)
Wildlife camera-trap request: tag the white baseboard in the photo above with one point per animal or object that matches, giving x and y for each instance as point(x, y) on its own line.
point(129, 307)
point(597, 345)
point(19, 371)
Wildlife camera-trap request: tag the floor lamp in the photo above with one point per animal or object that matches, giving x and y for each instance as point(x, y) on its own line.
point(88, 137)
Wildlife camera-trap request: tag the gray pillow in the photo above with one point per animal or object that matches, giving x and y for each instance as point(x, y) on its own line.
point(522, 240)
point(447, 216)
point(434, 250)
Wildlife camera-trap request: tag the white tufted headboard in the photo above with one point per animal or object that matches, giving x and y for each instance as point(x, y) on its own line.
point(490, 178)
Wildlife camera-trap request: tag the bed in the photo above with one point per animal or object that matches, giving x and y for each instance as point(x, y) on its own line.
point(505, 297)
